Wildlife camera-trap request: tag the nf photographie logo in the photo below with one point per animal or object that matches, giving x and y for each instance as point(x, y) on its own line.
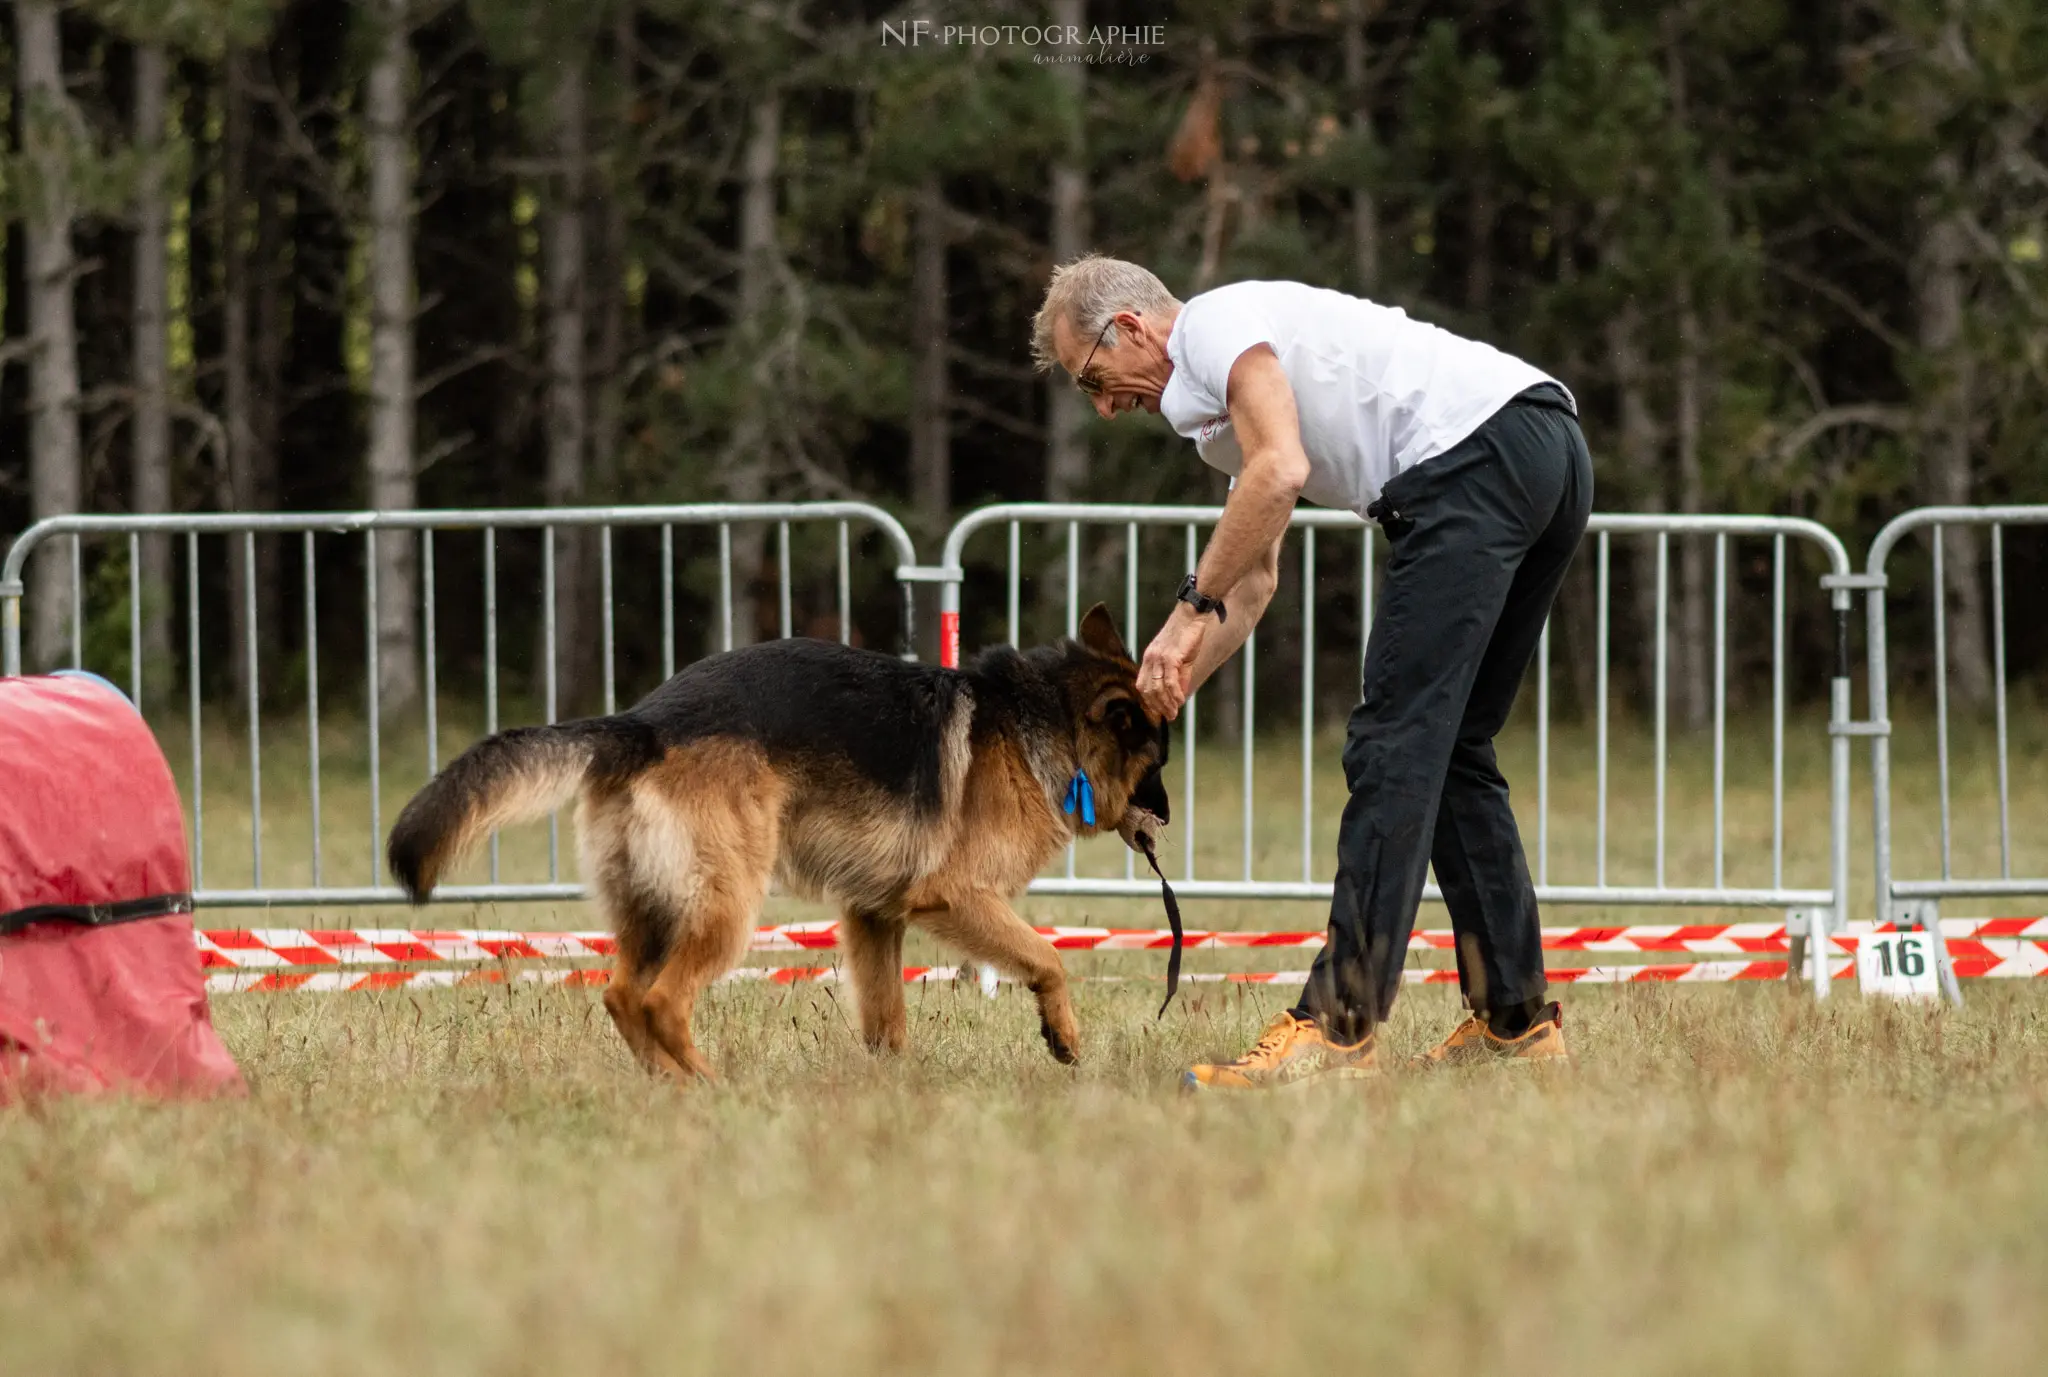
point(1103, 43)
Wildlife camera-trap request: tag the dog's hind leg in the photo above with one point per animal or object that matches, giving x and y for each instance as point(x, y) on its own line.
point(640, 924)
point(627, 1004)
point(874, 956)
point(983, 925)
point(712, 943)
point(709, 826)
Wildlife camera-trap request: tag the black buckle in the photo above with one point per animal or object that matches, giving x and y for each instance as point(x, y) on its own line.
point(1391, 521)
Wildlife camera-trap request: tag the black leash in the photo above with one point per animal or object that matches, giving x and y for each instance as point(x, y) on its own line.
point(1172, 921)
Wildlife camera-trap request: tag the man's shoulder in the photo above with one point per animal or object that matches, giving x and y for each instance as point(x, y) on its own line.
point(1288, 307)
point(1252, 289)
point(1215, 326)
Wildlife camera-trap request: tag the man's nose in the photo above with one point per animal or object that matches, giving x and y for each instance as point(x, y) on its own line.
point(1105, 407)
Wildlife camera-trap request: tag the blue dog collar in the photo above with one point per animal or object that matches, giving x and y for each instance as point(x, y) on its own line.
point(1081, 795)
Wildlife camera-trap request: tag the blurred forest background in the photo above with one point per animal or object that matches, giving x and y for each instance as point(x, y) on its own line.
point(315, 254)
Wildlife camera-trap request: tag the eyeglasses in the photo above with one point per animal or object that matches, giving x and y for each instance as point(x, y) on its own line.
point(1090, 385)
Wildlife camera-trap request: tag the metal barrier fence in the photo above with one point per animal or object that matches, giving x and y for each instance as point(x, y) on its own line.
point(1814, 909)
point(1916, 902)
point(488, 526)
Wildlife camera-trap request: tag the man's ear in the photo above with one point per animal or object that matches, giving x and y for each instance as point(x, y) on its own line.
point(1098, 633)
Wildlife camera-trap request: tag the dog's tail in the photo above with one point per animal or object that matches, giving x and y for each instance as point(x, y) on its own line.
point(513, 777)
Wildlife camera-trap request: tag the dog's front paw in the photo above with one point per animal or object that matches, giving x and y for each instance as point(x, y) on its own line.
point(1065, 1045)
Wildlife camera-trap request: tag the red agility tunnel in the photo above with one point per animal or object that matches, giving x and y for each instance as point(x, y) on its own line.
point(100, 985)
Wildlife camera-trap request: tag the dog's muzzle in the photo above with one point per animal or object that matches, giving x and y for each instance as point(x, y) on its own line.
point(1150, 795)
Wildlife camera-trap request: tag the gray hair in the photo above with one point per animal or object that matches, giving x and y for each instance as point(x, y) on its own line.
point(1088, 292)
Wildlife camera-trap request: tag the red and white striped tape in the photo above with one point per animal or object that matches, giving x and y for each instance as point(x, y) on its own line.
point(283, 948)
point(1985, 958)
point(272, 948)
point(227, 982)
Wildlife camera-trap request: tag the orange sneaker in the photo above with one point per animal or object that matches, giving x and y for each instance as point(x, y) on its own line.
point(1291, 1052)
point(1472, 1043)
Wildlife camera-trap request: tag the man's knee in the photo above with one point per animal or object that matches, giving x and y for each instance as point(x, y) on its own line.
point(1473, 759)
point(1385, 740)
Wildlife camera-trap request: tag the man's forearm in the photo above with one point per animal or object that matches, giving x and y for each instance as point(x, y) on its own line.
point(1247, 601)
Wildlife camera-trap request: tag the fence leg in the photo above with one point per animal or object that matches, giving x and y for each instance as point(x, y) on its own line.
point(1796, 926)
point(1925, 915)
point(1880, 750)
point(1822, 951)
point(10, 627)
point(1839, 728)
point(949, 658)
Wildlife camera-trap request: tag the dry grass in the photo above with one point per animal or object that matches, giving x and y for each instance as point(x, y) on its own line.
point(478, 1181)
point(1731, 1181)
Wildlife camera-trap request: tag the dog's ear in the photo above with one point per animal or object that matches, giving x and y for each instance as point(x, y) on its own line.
point(1098, 633)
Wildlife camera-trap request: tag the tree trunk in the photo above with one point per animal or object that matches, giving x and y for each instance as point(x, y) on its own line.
point(931, 459)
point(150, 489)
point(609, 216)
point(393, 480)
point(52, 136)
point(1575, 632)
point(1365, 215)
point(1692, 662)
point(1481, 210)
point(750, 457)
point(242, 481)
point(1938, 298)
point(606, 222)
point(1218, 197)
point(1637, 443)
point(310, 54)
point(1066, 457)
point(931, 465)
point(568, 423)
point(1693, 649)
point(268, 323)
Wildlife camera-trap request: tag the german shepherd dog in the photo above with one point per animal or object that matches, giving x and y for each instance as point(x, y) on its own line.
point(900, 792)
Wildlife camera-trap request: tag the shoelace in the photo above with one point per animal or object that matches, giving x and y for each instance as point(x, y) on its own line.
point(1472, 1030)
point(1271, 1041)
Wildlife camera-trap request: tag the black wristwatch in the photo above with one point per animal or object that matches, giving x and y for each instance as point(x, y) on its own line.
point(1199, 600)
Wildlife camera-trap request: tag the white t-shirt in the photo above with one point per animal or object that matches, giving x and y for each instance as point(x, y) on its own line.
point(1377, 393)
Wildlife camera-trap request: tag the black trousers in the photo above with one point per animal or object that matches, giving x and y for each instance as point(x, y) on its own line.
point(1481, 536)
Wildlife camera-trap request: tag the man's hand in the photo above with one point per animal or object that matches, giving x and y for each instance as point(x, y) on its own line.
point(1166, 677)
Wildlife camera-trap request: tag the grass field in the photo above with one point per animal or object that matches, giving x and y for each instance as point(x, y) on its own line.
point(1731, 1179)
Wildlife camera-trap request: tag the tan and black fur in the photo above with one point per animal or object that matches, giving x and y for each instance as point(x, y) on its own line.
point(901, 792)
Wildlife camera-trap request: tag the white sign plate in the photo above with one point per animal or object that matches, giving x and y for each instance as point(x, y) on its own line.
point(1899, 965)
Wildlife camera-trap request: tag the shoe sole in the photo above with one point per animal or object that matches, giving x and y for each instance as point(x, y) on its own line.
point(1190, 1086)
point(1548, 1059)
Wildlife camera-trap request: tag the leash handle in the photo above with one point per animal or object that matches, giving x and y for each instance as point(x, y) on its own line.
point(1172, 921)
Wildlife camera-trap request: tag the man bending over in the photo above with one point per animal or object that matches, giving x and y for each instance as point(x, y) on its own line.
point(1472, 462)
